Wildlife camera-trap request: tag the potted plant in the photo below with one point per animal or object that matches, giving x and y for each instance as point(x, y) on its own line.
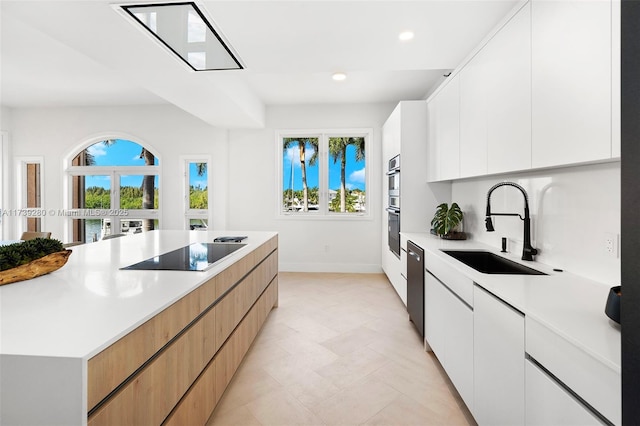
point(446, 221)
point(30, 259)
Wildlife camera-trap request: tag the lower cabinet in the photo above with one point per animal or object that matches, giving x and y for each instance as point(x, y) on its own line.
point(449, 333)
point(498, 368)
point(548, 403)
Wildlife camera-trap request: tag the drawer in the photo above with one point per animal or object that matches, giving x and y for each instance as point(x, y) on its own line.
point(456, 281)
point(596, 383)
point(547, 403)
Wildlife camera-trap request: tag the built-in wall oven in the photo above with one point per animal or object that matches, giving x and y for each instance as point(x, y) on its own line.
point(393, 206)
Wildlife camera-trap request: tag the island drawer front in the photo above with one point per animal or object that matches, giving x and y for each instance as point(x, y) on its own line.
point(596, 383)
point(111, 367)
point(160, 385)
point(201, 399)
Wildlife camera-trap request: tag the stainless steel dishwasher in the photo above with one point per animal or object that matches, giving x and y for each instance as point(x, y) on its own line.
point(415, 286)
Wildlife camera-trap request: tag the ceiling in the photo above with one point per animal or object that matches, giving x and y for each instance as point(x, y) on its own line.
point(88, 53)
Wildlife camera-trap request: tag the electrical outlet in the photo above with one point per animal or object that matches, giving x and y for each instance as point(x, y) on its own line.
point(611, 244)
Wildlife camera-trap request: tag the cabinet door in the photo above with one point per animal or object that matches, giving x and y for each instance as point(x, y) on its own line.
point(549, 404)
point(473, 116)
point(448, 136)
point(459, 346)
point(571, 81)
point(499, 359)
point(434, 315)
point(448, 330)
point(508, 81)
point(433, 167)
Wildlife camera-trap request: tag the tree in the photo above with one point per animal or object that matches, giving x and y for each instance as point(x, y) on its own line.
point(148, 184)
point(338, 151)
point(350, 202)
point(302, 143)
point(89, 159)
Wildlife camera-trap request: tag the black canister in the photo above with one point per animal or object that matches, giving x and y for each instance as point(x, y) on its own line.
point(613, 304)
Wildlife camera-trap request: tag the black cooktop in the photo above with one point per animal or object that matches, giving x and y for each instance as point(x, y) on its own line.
point(194, 257)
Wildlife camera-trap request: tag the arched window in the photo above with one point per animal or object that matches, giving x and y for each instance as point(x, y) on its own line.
point(113, 189)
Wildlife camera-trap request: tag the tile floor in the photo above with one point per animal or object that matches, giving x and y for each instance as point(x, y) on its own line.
point(339, 350)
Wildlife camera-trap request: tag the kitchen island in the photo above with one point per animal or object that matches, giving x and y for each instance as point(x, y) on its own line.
point(93, 344)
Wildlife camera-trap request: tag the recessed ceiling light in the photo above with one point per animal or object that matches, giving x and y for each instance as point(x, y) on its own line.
point(339, 76)
point(406, 35)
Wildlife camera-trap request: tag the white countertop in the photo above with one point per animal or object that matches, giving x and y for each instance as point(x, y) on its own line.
point(569, 305)
point(89, 303)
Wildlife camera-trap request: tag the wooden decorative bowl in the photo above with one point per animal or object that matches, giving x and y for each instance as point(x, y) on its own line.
point(35, 268)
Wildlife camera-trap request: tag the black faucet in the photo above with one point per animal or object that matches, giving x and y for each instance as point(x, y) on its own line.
point(527, 251)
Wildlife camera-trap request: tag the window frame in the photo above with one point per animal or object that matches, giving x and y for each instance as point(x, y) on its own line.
point(189, 213)
point(115, 173)
point(21, 194)
point(4, 182)
point(323, 136)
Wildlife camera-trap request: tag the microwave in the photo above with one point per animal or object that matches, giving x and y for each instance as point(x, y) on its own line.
point(394, 202)
point(394, 164)
point(394, 184)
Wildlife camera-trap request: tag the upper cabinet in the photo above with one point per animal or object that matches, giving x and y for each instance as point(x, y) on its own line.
point(495, 102)
point(543, 91)
point(571, 81)
point(474, 98)
point(509, 103)
point(444, 141)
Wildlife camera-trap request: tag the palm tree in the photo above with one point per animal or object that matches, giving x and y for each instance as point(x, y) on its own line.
point(148, 188)
point(338, 151)
point(302, 143)
point(87, 159)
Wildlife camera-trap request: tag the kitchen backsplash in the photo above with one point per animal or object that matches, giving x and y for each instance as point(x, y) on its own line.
point(574, 210)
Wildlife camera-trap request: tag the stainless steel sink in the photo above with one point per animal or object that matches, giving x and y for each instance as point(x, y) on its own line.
point(489, 263)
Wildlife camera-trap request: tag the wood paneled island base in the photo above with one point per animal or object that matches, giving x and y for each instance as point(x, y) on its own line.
point(174, 368)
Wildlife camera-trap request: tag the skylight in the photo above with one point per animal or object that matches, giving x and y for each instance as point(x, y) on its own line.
point(183, 28)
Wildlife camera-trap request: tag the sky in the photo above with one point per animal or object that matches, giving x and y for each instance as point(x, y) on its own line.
point(127, 153)
point(354, 171)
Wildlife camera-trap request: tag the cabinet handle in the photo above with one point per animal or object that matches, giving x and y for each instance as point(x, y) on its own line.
point(414, 254)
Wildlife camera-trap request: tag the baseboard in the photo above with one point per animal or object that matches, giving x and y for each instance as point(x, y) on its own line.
point(358, 268)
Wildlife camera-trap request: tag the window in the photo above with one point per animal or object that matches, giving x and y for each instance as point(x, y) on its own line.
point(30, 193)
point(323, 173)
point(4, 181)
point(196, 194)
point(114, 189)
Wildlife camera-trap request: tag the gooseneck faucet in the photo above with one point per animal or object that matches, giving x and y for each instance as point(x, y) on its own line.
point(527, 250)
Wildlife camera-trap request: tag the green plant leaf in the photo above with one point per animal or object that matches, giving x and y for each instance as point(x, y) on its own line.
point(446, 218)
point(13, 255)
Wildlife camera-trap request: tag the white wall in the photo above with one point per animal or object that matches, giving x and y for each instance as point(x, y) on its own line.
point(572, 209)
point(338, 245)
point(55, 132)
point(244, 172)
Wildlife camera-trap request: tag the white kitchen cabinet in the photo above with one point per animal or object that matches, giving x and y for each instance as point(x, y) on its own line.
point(499, 359)
point(571, 81)
point(474, 94)
point(444, 117)
point(508, 108)
point(547, 403)
point(434, 314)
point(615, 79)
point(449, 333)
point(459, 347)
point(405, 133)
point(596, 382)
point(495, 102)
